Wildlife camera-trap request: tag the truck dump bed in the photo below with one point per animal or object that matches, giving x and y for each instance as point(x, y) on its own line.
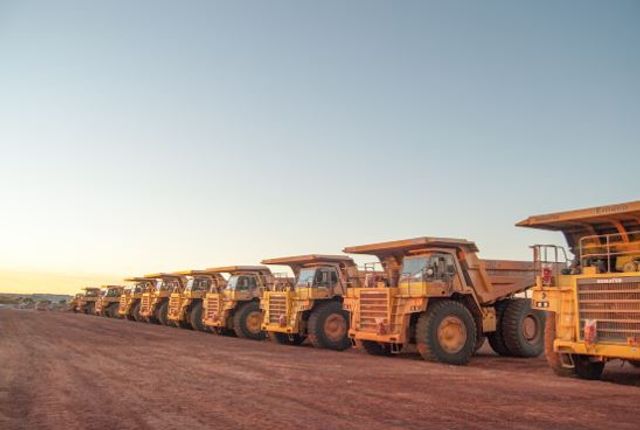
point(621, 219)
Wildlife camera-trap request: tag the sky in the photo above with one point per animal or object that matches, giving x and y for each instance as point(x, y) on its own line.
point(149, 136)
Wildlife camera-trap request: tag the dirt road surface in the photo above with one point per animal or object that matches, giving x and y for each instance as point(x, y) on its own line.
point(66, 371)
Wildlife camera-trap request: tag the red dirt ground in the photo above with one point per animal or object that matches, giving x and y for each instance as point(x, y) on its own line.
point(63, 371)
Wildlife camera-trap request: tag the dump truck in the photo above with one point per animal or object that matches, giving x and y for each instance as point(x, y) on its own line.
point(130, 299)
point(439, 296)
point(592, 299)
point(154, 303)
point(235, 308)
point(312, 306)
point(87, 301)
point(186, 306)
point(108, 302)
point(73, 303)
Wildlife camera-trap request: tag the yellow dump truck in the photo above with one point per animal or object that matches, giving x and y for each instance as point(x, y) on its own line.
point(438, 295)
point(312, 307)
point(86, 304)
point(592, 300)
point(186, 306)
point(73, 303)
point(236, 307)
point(108, 302)
point(154, 303)
point(130, 299)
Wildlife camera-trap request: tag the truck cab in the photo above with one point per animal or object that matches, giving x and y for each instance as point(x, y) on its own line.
point(592, 293)
point(235, 308)
point(312, 306)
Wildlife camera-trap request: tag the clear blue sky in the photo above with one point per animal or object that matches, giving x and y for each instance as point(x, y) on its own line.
point(160, 135)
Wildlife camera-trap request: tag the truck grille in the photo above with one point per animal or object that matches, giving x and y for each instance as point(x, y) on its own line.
point(145, 304)
point(277, 308)
point(174, 306)
point(373, 308)
point(213, 307)
point(615, 304)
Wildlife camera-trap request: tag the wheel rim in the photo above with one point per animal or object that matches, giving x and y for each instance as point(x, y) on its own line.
point(530, 328)
point(254, 321)
point(335, 327)
point(452, 334)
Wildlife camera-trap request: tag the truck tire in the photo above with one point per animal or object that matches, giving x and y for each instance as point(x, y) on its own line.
point(374, 348)
point(328, 326)
point(553, 358)
point(91, 309)
point(161, 313)
point(113, 310)
point(195, 316)
point(586, 369)
point(135, 312)
point(479, 343)
point(496, 339)
point(523, 329)
point(285, 339)
point(446, 333)
point(247, 321)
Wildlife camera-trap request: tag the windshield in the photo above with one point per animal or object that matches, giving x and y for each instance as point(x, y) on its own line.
point(197, 284)
point(413, 268)
point(113, 292)
point(242, 282)
point(305, 277)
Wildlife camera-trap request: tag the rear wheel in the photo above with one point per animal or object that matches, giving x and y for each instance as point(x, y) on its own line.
point(161, 313)
point(523, 329)
point(496, 339)
point(195, 316)
point(374, 348)
point(329, 326)
point(587, 369)
point(446, 333)
point(135, 313)
point(286, 339)
point(247, 321)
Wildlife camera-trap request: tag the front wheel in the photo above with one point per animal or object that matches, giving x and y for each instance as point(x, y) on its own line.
point(91, 309)
point(195, 316)
point(247, 321)
point(554, 359)
point(523, 329)
point(286, 339)
point(135, 313)
point(161, 313)
point(329, 327)
point(446, 333)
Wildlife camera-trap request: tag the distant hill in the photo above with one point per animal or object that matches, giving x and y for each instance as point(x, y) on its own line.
point(9, 298)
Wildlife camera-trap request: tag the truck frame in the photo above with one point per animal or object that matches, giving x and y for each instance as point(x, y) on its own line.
point(438, 295)
point(312, 307)
point(592, 300)
point(235, 307)
point(186, 306)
